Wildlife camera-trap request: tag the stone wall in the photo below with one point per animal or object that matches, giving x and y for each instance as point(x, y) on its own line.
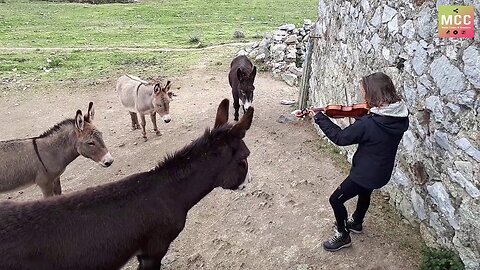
point(436, 181)
point(282, 51)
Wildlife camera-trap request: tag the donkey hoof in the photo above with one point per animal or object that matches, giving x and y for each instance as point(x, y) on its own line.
point(145, 139)
point(158, 133)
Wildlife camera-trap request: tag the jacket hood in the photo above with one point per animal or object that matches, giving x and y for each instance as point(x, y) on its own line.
point(392, 118)
point(397, 109)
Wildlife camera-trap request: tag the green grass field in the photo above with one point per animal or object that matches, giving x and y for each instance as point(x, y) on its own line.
point(145, 24)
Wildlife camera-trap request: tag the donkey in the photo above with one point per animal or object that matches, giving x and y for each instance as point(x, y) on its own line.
point(142, 97)
point(141, 214)
point(241, 78)
point(41, 160)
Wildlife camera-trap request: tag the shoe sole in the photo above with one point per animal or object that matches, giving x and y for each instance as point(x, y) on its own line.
point(337, 249)
point(355, 231)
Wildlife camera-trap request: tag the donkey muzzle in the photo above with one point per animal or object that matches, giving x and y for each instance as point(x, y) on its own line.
point(106, 160)
point(166, 118)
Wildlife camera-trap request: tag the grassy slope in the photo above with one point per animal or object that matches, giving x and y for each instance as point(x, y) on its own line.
point(154, 24)
point(146, 24)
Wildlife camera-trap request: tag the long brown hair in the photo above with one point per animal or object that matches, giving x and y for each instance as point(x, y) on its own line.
point(379, 90)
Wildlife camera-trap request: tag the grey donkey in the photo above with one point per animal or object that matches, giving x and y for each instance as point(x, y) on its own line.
point(143, 97)
point(41, 160)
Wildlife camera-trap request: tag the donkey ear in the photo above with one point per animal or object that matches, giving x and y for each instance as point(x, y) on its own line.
point(79, 122)
point(157, 88)
point(222, 113)
point(239, 129)
point(91, 113)
point(254, 73)
point(167, 86)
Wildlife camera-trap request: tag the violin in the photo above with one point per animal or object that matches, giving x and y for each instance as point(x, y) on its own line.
point(339, 111)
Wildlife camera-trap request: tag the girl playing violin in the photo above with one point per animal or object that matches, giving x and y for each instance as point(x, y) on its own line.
point(377, 135)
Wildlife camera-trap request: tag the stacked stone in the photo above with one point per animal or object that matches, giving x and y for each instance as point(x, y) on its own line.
point(283, 51)
point(436, 183)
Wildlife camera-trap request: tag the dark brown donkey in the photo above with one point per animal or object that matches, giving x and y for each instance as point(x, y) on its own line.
point(41, 160)
point(241, 79)
point(102, 227)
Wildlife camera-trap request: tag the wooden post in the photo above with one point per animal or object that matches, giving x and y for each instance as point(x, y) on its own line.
point(307, 70)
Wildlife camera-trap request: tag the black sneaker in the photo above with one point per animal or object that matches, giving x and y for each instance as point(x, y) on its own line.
point(338, 241)
point(352, 226)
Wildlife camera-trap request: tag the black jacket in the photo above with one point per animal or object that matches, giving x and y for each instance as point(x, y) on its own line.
point(377, 137)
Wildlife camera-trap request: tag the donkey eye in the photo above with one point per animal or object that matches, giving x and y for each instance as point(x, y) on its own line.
point(91, 143)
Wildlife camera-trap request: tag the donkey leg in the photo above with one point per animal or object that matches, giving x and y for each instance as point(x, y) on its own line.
point(236, 106)
point(144, 133)
point(153, 116)
point(148, 263)
point(57, 187)
point(155, 249)
point(46, 186)
point(135, 124)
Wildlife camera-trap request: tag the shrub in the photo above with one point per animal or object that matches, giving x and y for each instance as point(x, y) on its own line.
point(440, 259)
point(238, 34)
point(195, 39)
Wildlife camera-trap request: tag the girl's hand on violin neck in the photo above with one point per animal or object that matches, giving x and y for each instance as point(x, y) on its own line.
point(311, 113)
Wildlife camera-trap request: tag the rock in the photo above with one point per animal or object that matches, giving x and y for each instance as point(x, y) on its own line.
point(458, 178)
point(471, 60)
point(292, 54)
point(260, 57)
point(296, 71)
point(441, 139)
point(410, 48)
point(365, 6)
point(436, 224)
point(366, 46)
point(287, 27)
point(290, 79)
point(388, 14)
point(441, 198)
point(434, 104)
point(393, 25)
point(408, 141)
point(465, 168)
point(466, 146)
point(467, 239)
point(419, 61)
point(377, 17)
point(288, 101)
point(386, 53)
point(287, 118)
point(454, 108)
point(467, 98)
point(418, 205)
point(408, 29)
point(307, 24)
point(401, 179)
point(447, 76)
point(426, 24)
point(376, 41)
point(292, 39)
point(451, 52)
point(242, 52)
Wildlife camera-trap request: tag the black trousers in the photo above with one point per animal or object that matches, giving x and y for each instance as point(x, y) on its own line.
point(347, 190)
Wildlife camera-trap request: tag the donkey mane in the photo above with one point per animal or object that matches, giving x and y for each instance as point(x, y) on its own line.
point(179, 163)
point(57, 127)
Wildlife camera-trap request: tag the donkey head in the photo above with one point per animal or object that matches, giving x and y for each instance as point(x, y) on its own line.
point(245, 86)
point(161, 100)
point(89, 139)
point(232, 150)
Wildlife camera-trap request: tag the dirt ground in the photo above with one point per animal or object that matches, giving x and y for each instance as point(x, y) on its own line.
point(278, 222)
